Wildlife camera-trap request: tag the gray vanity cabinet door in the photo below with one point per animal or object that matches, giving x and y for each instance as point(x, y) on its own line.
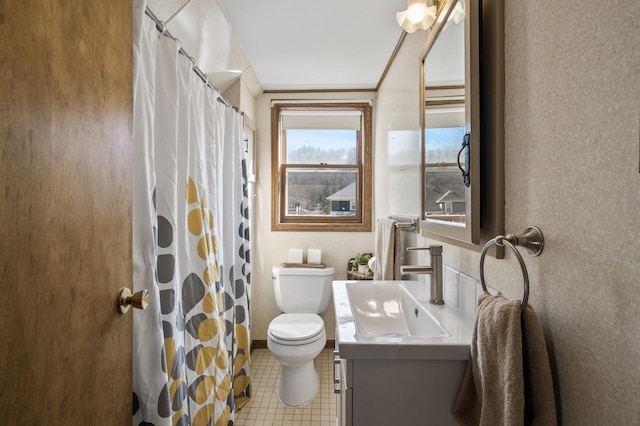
point(404, 392)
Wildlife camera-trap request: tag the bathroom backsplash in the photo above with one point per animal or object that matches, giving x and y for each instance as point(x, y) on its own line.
point(462, 291)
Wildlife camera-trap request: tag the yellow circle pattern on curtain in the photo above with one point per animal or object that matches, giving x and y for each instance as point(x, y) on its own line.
point(212, 358)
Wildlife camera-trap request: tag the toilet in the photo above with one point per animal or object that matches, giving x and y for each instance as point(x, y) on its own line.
point(297, 336)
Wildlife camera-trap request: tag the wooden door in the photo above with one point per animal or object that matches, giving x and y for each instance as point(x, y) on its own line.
point(65, 225)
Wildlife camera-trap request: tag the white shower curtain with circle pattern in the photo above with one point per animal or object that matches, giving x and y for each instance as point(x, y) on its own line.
point(191, 242)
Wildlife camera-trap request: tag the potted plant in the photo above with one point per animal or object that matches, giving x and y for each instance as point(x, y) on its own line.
point(360, 263)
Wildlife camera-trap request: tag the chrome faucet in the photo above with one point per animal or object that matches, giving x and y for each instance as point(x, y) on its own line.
point(434, 269)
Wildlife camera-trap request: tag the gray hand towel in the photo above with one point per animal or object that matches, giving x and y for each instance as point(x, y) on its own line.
point(508, 379)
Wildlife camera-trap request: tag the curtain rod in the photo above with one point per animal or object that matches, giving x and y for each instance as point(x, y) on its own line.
point(161, 26)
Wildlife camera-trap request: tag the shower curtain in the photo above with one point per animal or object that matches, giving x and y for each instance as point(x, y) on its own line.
point(191, 242)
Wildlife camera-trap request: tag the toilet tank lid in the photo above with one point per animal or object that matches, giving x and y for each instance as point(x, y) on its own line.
point(282, 270)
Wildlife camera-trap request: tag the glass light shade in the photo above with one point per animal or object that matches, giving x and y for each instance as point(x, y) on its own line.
point(417, 15)
point(458, 13)
point(416, 12)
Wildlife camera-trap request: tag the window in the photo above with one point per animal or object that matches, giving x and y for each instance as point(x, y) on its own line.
point(321, 166)
point(445, 192)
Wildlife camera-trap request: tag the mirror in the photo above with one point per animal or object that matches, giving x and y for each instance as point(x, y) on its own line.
point(450, 182)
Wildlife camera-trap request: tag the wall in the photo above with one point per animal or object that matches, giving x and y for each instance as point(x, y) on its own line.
point(239, 95)
point(397, 133)
point(272, 248)
point(205, 33)
point(572, 139)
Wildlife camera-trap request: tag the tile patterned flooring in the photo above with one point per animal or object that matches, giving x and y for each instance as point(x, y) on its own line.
point(265, 409)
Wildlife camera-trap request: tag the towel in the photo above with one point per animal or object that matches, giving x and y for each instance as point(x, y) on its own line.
point(387, 266)
point(508, 378)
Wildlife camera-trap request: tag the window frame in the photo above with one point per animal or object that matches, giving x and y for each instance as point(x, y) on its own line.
point(361, 222)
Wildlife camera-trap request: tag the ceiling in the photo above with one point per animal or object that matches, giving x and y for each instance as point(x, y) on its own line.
point(286, 44)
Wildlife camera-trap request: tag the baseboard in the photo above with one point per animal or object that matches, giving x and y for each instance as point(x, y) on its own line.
point(258, 344)
point(262, 344)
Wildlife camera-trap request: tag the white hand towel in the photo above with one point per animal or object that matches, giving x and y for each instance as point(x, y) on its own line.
point(387, 265)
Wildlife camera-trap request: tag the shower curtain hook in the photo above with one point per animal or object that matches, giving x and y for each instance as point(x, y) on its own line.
point(193, 61)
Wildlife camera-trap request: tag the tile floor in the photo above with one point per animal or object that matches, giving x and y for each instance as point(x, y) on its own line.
point(265, 409)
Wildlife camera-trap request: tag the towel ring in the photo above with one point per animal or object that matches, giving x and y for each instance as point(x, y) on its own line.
point(532, 239)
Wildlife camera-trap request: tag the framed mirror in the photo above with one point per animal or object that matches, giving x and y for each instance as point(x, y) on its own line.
point(450, 122)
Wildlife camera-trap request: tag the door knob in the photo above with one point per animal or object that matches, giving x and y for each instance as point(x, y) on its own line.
point(139, 300)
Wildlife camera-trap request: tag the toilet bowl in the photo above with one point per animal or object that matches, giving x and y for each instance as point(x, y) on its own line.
point(297, 336)
point(295, 340)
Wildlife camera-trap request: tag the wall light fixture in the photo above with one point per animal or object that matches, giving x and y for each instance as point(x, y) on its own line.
point(417, 15)
point(421, 15)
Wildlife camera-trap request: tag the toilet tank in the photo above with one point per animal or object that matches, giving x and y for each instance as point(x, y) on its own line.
point(302, 290)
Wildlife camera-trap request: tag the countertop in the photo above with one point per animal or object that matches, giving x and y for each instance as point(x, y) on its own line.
point(350, 345)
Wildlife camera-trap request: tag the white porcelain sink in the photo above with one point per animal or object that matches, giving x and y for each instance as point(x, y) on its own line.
point(377, 320)
point(388, 310)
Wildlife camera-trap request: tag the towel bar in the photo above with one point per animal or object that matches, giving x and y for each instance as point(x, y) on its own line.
point(532, 239)
point(405, 222)
point(406, 225)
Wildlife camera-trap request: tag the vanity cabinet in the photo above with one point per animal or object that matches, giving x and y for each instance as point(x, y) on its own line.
point(384, 376)
point(372, 392)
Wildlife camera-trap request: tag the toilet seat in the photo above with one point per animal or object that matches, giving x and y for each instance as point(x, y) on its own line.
point(296, 329)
